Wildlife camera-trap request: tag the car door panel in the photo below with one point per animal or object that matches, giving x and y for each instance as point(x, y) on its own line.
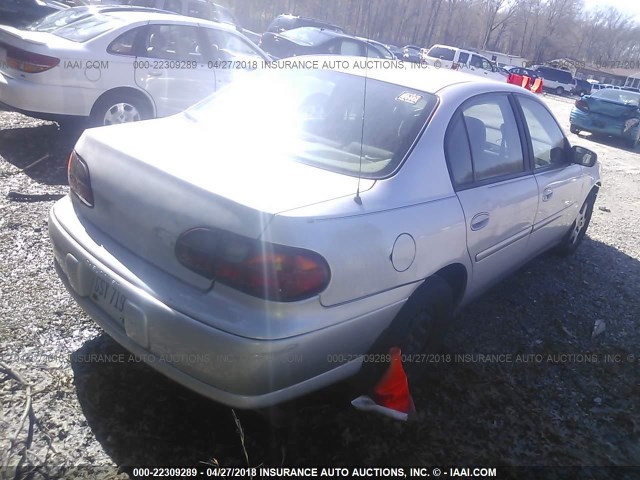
point(509, 208)
point(560, 182)
point(172, 68)
point(497, 193)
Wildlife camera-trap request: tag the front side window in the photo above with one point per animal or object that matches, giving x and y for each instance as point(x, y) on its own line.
point(546, 137)
point(463, 58)
point(317, 117)
point(493, 137)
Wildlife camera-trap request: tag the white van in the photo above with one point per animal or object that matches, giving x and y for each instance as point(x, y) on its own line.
point(464, 60)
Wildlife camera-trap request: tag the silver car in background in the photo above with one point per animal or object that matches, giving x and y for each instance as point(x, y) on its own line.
point(255, 247)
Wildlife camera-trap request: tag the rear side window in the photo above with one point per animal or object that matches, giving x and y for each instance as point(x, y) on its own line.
point(125, 43)
point(171, 42)
point(227, 46)
point(488, 126)
point(442, 53)
point(458, 153)
point(463, 58)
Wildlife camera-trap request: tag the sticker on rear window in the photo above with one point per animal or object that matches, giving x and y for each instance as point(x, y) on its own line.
point(409, 97)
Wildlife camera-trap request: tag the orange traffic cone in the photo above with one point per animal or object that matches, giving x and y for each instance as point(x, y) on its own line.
point(391, 395)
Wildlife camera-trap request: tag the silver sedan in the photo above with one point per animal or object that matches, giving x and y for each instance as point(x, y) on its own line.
point(288, 230)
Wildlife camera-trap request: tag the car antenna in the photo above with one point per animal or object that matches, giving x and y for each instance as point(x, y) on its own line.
point(357, 198)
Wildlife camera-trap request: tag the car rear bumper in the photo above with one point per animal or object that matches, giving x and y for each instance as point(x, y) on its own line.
point(43, 100)
point(231, 369)
point(595, 123)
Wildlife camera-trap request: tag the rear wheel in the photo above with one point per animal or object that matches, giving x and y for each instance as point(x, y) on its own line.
point(559, 91)
point(118, 108)
point(418, 329)
point(578, 229)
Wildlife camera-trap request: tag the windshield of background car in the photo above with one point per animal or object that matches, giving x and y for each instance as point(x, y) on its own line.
point(305, 35)
point(87, 28)
point(59, 19)
point(620, 96)
point(442, 53)
point(319, 117)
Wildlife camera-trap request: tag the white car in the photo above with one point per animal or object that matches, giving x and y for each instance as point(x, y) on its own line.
point(340, 213)
point(119, 66)
point(444, 56)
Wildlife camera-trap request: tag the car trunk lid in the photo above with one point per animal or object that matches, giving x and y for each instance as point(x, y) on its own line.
point(610, 108)
point(150, 186)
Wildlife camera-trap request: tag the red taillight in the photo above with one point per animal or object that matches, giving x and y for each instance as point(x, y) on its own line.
point(582, 105)
point(261, 269)
point(29, 62)
point(79, 180)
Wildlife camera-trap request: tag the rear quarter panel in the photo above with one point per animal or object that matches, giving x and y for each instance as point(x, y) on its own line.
point(358, 240)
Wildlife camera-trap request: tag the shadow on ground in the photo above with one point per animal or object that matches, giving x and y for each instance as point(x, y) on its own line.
point(23, 145)
point(576, 409)
point(609, 141)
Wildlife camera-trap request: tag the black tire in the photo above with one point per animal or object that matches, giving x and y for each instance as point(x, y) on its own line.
point(119, 107)
point(559, 91)
point(419, 328)
point(574, 129)
point(574, 236)
point(632, 143)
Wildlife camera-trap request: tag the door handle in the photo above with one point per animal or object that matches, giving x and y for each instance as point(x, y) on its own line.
point(479, 221)
point(547, 194)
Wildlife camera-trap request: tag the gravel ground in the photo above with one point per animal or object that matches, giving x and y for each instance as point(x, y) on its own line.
point(559, 396)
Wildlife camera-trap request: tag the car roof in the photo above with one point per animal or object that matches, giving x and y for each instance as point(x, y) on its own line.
point(426, 78)
point(158, 15)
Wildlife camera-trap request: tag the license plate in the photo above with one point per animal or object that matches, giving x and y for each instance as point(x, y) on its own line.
point(107, 295)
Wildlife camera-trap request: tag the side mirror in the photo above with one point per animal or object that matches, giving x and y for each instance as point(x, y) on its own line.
point(583, 156)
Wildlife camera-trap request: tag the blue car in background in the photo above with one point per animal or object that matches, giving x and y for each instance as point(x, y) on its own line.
point(610, 112)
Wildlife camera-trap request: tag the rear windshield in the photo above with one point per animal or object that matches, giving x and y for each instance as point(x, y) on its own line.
point(556, 74)
point(87, 28)
point(442, 53)
point(620, 96)
point(319, 117)
point(59, 19)
point(78, 24)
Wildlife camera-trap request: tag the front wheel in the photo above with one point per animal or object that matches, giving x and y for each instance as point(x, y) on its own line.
point(578, 229)
point(559, 91)
point(633, 141)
